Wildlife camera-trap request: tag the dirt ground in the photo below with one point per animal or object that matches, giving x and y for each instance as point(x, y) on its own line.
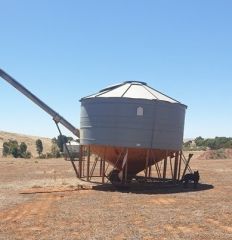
point(40, 199)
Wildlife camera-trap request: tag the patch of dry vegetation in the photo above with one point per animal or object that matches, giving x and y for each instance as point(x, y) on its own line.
point(216, 154)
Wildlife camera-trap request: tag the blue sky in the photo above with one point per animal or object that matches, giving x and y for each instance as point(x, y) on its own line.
point(64, 50)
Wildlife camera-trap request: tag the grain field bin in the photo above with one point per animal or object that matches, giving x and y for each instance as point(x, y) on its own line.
point(130, 119)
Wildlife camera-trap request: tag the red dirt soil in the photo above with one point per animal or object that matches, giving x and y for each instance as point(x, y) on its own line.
point(40, 199)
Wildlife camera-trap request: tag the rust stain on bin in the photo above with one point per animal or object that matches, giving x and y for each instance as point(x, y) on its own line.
point(136, 157)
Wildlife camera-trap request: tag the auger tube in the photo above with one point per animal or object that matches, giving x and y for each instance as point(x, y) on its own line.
point(56, 117)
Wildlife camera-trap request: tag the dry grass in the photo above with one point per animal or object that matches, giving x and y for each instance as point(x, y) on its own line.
point(43, 201)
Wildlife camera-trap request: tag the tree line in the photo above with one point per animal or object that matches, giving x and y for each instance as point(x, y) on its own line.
point(201, 143)
point(19, 150)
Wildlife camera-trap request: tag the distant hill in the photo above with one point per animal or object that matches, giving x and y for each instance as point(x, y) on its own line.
point(29, 140)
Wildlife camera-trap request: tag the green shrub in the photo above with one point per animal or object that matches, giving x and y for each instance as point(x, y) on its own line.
point(39, 146)
point(17, 151)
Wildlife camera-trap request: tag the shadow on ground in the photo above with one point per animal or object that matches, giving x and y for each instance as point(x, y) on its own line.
point(153, 188)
